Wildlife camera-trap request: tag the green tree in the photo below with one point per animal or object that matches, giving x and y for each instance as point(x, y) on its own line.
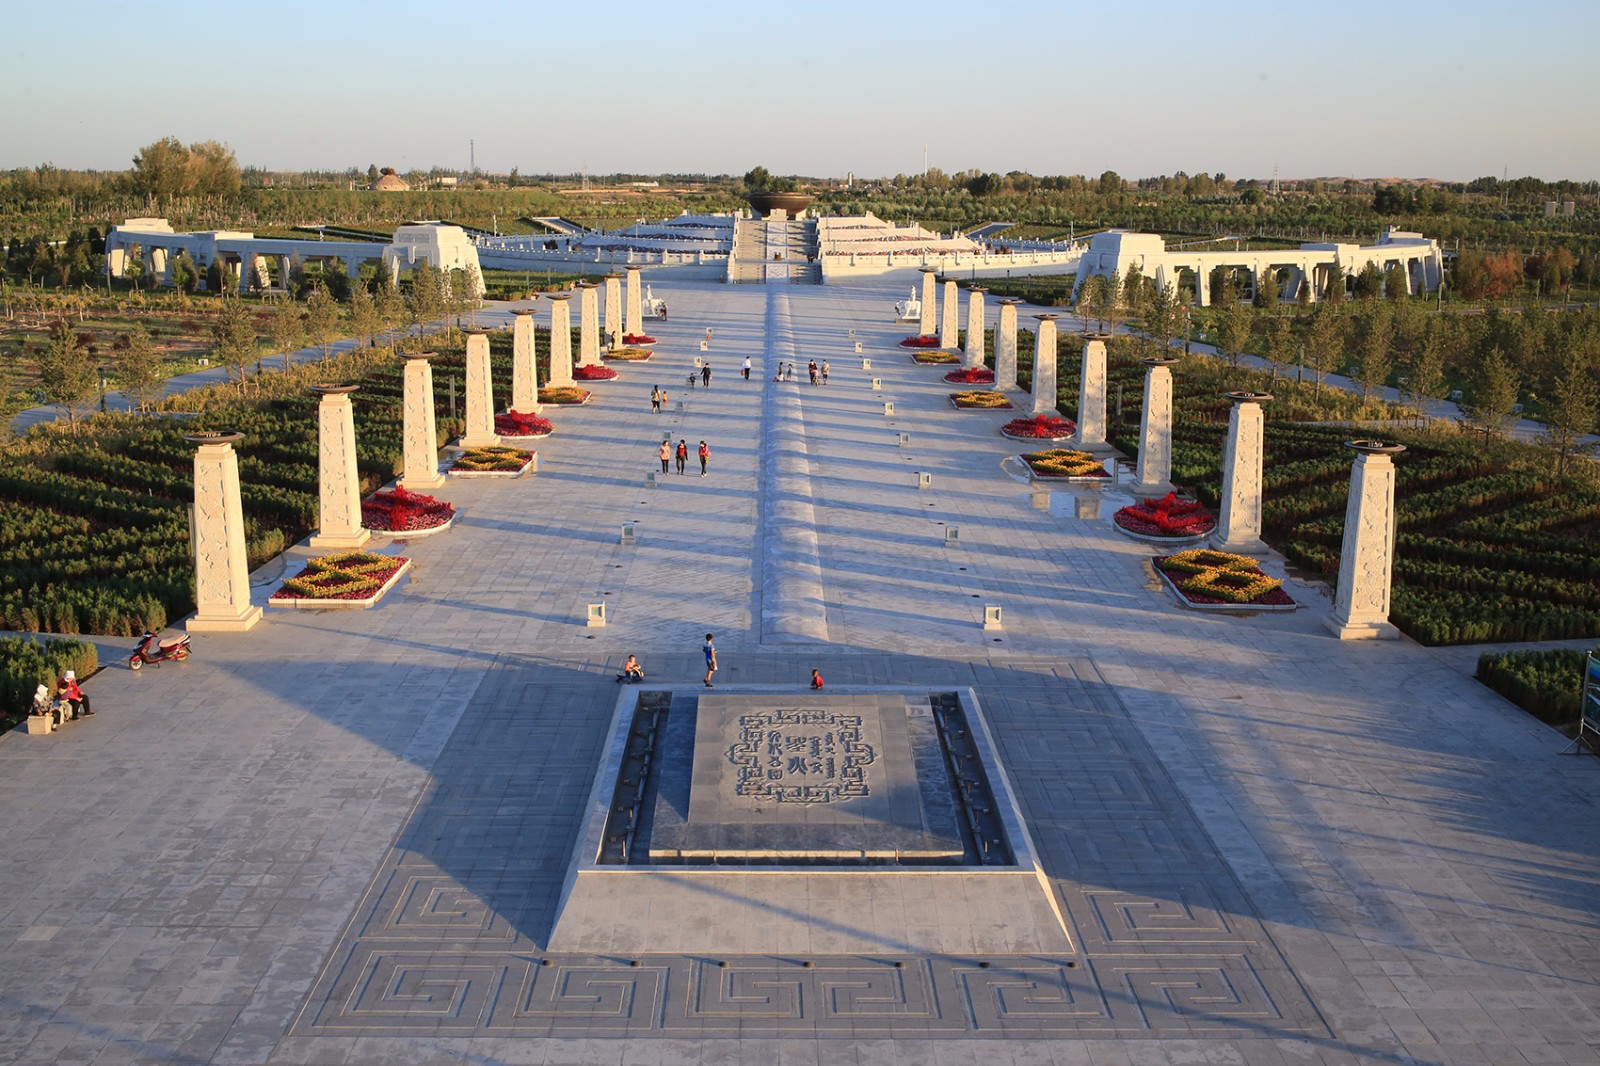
point(1495, 386)
point(391, 305)
point(1280, 344)
point(1369, 283)
point(1233, 330)
point(1324, 343)
point(1092, 301)
point(322, 318)
point(1425, 374)
point(372, 173)
point(1135, 292)
point(1374, 359)
point(471, 283)
point(427, 296)
point(1394, 284)
point(234, 337)
point(66, 372)
point(1573, 410)
point(1334, 294)
point(287, 329)
point(363, 313)
point(1163, 316)
point(139, 368)
point(1266, 294)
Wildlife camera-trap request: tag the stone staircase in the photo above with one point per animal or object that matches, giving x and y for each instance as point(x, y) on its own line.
point(779, 251)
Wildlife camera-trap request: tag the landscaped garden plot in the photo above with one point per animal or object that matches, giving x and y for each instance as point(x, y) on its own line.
point(346, 580)
point(1213, 580)
point(1064, 464)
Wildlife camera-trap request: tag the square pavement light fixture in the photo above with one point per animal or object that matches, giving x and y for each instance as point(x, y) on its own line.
point(952, 536)
point(888, 408)
point(698, 362)
point(924, 480)
point(679, 406)
point(905, 440)
point(877, 384)
point(650, 481)
point(597, 616)
point(629, 533)
point(991, 617)
point(666, 436)
point(705, 346)
point(866, 364)
point(858, 347)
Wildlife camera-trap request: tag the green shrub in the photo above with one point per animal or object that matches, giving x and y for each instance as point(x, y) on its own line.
point(27, 663)
point(1546, 684)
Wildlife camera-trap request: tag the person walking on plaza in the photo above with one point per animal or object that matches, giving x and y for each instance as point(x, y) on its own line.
point(68, 690)
point(811, 369)
point(705, 457)
point(655, 399)
point(747, 368)
point(705, 374)
point(824, 371)
point(710, 651)
point(683, 453)
point(666, 455)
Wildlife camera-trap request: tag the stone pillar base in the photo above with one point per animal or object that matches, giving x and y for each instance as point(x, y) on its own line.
point(1251, 546)
point(412, 484)
point(223, 623)
point(340, 541)
point(1154, 489)
point(1362, 630)
point(1094, 447)
point(479, 442)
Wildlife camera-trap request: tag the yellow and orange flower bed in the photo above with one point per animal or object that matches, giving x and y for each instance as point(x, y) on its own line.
point(628, 355)
point(565, 395)
point(345, 579)
point(980, 400)
point(496, 461)
point(942, 355)
point(1065, 463)
point(1208, 579)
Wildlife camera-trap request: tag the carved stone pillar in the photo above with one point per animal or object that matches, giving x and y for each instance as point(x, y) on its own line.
point(561, 337)
point(930, 301)
point(420, 450)
point(588, 325)
point(1044, 367)
point(614, 311)
point(1005, 347)
point(972, 352)
point(1366, 561)
point(635, 316)
point(221, 568)
point(524, 365)
point(480, 393)
point(339, 486)
point(1154, 477)
point(1239, 522)
point(950, 316)
point(1092, 394)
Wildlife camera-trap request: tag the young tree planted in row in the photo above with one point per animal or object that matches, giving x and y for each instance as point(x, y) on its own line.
point(66, 372)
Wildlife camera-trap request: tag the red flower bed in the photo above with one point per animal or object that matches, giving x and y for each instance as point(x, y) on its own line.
point(972, 375)
point(926, 340)
point(593, 373)
point(1166, 517)
point(637, 338)
point(515, 424)
point(399, 511)
point(1042, 427)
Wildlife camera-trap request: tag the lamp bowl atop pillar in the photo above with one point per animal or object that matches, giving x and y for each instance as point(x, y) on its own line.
point(767, 202)
point(1374, 447)
point(1248, 397)
point(1159, 360)
point(1101, 337)
point(478, 331)
point(1047, 317)
point(214, 436)
point(327, 389)
point(428, 355)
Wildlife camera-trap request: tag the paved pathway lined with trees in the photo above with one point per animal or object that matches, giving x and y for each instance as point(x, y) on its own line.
point(341, 838)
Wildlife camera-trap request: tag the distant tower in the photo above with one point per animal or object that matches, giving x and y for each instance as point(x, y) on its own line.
point(1277, 187)
point(472, 156)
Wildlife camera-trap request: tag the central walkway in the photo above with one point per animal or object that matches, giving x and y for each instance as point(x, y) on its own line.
point(342, 838)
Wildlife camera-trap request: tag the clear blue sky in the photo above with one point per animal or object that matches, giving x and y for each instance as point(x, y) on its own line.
point(1453, 90)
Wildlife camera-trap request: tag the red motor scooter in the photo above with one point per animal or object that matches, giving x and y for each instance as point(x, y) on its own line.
point(151, 650)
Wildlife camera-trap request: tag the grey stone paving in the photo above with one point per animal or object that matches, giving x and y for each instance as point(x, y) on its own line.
point(339, 839)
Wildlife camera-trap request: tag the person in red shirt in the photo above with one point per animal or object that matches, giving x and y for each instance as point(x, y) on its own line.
point(68, 690)
point(816, 680)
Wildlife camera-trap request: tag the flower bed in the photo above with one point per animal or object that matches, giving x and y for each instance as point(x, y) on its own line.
point(517, 424)
point(942, 355)
point(979, 400)
point(400, 511)
point(593, 373)
point(1168, 518)
point(628, 355)
point(1065, 463)
point(565, 395)
point(1040, 427)
point(926, 340)
point(494, 461)
point(637, 338)
point(1213, 580)
point(971, 375)
point(344, 580)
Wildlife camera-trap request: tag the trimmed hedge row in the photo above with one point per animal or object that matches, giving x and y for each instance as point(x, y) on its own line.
point(1546, 684)
point(27, 663)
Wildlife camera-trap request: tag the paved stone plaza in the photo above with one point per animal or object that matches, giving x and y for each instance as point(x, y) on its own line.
point(343, 837)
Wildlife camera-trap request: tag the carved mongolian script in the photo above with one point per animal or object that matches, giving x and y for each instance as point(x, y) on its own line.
point(801, 756)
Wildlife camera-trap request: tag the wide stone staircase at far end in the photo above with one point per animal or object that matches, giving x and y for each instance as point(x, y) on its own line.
point(778, 250)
